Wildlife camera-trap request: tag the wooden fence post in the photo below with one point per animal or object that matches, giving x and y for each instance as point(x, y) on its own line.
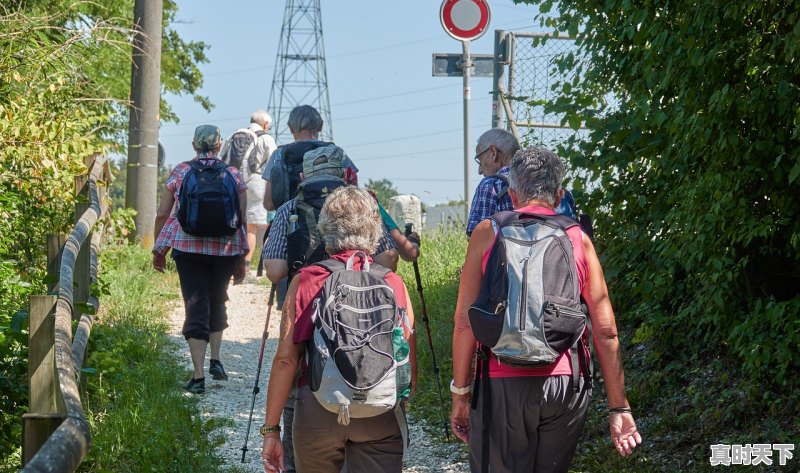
point(55, 245)
point(46, 406)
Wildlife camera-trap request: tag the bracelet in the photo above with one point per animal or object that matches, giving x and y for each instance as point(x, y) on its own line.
point(619, 410)
point(264, 430)
point(460, 391)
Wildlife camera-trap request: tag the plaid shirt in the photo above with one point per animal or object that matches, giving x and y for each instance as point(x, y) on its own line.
point(172, 234)
point(276, 247)
point(484, 203)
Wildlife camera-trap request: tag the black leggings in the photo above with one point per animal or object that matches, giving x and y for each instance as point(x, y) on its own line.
point(204, 285)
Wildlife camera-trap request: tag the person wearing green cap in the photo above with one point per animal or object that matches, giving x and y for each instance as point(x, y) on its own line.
point(205, 264)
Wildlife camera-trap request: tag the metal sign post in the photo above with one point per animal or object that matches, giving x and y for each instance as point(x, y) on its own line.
point(465, 20)
point(467, 67)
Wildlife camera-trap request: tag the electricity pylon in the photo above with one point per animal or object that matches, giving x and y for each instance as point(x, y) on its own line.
point(300, 76)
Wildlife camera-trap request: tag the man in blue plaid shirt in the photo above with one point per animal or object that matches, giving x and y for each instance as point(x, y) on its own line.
point(493, 154)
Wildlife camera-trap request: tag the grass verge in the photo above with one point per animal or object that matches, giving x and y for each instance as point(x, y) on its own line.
point(141, 419)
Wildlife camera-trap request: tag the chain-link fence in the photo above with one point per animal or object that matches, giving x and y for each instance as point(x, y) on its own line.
point(525, 81)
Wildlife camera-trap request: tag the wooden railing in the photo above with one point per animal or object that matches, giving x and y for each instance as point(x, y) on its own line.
point(56, 435)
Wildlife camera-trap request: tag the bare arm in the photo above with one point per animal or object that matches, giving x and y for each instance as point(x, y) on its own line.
point(463, 338)
point(268, 196)
point(606, 341)
point(277, 269)
point(407, 250)
point(163, 212)
point(387, 259)
point(281, 380)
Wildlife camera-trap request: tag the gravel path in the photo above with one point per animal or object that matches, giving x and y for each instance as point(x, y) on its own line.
point(231, 399)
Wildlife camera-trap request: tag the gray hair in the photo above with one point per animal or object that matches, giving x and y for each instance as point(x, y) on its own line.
point(349, 220)
point(503, 140)
point(261, 117)
point(304, 117)
point(536, 173)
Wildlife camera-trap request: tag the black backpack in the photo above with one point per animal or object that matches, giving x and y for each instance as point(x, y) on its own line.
point(208, 200)
point(242, 152)
point(304, 245)
point(285, 178)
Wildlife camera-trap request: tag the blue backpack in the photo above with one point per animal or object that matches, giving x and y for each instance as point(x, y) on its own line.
point(208, 201)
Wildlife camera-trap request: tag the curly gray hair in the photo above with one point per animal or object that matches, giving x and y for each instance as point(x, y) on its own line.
point(536, 173)
point(349, 220)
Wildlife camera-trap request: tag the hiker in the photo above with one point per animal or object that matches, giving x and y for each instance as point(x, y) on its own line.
point(332, 429)
point(530, 417)
point(205, 264)
point(285, 254)
point(282, 172)
point(493, 154)
point(248, 150)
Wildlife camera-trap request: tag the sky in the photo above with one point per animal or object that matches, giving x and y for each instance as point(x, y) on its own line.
point(393, 118)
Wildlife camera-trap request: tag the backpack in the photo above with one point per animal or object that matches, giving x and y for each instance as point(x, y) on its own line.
point(528, 311)
point(242, 152)
point(285, 176)
point(208, 200)
point(358, 356)
point(304, 245)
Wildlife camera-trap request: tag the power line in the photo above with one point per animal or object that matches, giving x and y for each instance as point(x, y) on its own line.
point(414, 136)
point(393, 112)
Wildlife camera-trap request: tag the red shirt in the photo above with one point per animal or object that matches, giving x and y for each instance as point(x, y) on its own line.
point(563, 365)
point(309, 287)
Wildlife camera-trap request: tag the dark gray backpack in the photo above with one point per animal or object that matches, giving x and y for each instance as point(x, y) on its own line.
point(353, 370)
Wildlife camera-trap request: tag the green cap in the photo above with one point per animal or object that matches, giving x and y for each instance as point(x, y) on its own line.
point(206, 138)
point(326, 157)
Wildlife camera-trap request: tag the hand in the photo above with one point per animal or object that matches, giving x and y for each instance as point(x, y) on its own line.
point(413, 237)
point(159, 262)
point(459, 417)
point(240, 272)
point(272, 453)
point(624, 433)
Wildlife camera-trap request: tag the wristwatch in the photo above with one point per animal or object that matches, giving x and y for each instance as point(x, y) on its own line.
point(268, 430)
point(460, 391)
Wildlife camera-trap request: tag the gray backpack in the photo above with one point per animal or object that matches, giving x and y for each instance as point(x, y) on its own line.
point(528, 311)
point(353, 363)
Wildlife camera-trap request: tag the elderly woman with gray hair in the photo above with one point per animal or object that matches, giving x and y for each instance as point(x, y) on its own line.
point(350, 226)
point(531, 414)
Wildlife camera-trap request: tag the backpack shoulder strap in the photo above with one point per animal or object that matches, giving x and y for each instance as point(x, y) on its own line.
point(501, 177)
point(378, 270)
point(505, 217)
point(331, 264)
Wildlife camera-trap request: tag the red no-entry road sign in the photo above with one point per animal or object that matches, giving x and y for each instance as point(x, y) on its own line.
point(465, 20)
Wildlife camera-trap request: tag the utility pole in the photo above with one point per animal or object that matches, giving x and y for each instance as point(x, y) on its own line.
point(140, 191)
point(300, 76)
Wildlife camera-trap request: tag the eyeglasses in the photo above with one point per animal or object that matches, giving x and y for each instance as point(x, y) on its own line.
point(477, 157)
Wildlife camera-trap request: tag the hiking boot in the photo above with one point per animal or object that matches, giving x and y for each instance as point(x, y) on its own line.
point(217, 371)
point(196, 386)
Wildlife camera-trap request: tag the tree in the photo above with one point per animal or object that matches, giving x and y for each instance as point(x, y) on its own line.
point(384, 191)
point(696, 168)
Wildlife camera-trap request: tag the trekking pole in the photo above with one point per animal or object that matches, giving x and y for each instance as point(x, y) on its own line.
point(445, 424)
point(258, 373)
